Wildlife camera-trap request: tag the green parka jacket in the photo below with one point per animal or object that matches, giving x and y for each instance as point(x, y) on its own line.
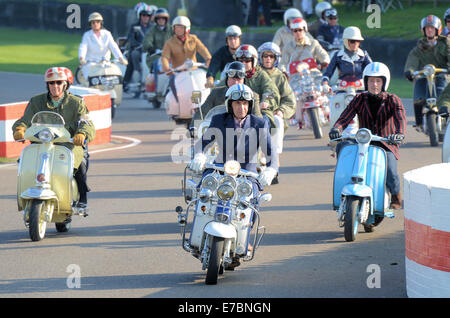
point(423, 54)
point(287, 103)
point(154, 40)
point(72, 108)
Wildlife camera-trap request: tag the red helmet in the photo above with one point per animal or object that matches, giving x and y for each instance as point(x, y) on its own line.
point(69, 75)
point(55, 74)
point(299, 24)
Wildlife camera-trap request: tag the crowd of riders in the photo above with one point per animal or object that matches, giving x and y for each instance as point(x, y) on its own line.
point(261, 69)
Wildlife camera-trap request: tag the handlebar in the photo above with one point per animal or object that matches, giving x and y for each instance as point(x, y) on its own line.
point(242, 172)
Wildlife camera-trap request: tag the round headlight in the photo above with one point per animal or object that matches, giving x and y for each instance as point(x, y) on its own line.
point(428, 70)
point(45, 135)
point(95, 81)
point(363, 136)
point(225, 192)
point(228, 180)
point(209, 183)
point(244, 189)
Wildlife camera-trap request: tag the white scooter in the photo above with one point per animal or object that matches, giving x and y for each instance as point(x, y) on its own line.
point(226, 224)
point(105, 76)
point(189, 77)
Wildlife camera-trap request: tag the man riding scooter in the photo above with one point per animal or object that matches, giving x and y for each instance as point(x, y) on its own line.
point(135, 38)
point(225, 54)
point(384, 115)
point(97, 45)
point(433, 49)
point(73, 110)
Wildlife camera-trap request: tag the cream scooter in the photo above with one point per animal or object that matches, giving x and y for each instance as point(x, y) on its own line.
point(46, 189)
point(105, 76)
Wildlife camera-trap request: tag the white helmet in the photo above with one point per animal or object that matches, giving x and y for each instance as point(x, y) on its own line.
point(321, 7)
point(299, 24)
point(95, 16)
point(351, 33)
point(233, 30)
point(377, 69)
point(144, 9)
point(290, 14)
point(182, 20)
point(271, 47)
point(239, 92)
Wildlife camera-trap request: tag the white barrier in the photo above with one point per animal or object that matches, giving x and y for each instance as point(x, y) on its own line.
point(427, 231)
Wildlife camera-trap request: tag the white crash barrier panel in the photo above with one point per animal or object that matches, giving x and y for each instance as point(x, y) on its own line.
point(427, 231)
point(98, 103)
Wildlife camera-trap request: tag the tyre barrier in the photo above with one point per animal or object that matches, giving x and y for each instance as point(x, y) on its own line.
point(97, 102)
point(427, 231)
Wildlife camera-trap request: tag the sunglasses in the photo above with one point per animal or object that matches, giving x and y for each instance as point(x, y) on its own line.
point(269, 56)
point(245, 60)
point(354, 41)
point(55, 82)
point(297, 30)
point(235, 74)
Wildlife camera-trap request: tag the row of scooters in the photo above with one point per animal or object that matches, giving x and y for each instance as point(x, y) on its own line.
point(223, 228)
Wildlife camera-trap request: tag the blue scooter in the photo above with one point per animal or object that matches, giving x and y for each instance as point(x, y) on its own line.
point(360, 195)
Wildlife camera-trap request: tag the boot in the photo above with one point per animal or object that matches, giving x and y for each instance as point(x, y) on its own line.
point(396, 201)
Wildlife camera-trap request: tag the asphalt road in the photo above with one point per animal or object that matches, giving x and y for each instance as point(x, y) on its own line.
point(130, 245)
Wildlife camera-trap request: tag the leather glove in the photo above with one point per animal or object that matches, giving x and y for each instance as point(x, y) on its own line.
point(198, 163)
point(409, 76)
point(266, 177)
point(209, 82)
point(19, 133)
point(334, 133)
point(396, 138)
point(78, 139)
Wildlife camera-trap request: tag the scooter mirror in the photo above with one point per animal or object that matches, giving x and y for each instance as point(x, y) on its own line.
point(265, 197)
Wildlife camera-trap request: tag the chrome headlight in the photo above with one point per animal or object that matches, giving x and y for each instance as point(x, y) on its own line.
point(244, 189)
point(228, 180)
point(428, 70)
point(45, 135)
point(363, 136)
point(210, 183)
point(225, 192)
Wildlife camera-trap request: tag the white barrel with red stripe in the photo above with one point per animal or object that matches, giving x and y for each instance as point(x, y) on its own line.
point(97, 102)
point(427, 231)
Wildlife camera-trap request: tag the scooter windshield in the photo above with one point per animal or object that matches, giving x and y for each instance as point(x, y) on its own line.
point(216, 110)
point(46, 118)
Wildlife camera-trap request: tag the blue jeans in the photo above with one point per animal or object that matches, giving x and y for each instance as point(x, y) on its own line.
point(421, 93)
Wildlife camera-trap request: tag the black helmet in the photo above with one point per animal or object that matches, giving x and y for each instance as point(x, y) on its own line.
point(234, 69)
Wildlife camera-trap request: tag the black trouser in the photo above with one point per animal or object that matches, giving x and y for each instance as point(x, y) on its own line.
point(81, 178)
point(133, 64)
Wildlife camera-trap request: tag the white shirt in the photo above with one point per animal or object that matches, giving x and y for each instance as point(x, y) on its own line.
point(93, 48)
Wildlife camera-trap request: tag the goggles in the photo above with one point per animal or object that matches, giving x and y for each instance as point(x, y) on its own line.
point(243, 53)
point(241, 95)
point(235, 73)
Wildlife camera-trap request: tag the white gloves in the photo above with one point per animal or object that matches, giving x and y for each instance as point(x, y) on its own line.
point(266, 177)
point(198, 163)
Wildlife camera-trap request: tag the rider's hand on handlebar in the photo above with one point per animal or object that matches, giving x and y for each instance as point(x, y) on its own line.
point(82, 61)
point(396, 138)
point(209, 82)
point(334, 133)
point(198, 163)
point(266, 177)
point(78, 139)
point(263, 105)
point(19, 133)
point(409, 76)
point(123, 61)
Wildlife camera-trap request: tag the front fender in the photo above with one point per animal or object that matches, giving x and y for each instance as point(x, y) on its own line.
point(358, 190)
point(37, 193)
point(221, 230)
